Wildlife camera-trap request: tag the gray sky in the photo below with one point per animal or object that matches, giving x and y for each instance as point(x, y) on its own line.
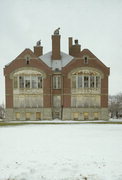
point(97, 24)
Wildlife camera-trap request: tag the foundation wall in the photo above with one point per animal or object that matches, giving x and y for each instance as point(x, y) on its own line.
point(85, 114)
point(28, 114)
point(33, 114)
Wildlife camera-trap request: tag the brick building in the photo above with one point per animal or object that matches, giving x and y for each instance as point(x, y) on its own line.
point(70, 86)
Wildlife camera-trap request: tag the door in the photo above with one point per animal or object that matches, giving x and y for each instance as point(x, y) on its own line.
point(56, 110)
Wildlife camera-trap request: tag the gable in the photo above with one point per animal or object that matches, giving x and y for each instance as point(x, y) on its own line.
point(93, 62)
point(21, 61)
point(88, 53)
point(26, 52)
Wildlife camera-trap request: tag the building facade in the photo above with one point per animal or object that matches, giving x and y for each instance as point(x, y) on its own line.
point(71, 86)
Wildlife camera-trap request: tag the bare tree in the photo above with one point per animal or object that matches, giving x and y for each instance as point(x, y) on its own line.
point(115, 105)
point(2, 111)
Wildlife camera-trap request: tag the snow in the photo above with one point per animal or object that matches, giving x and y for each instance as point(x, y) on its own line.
point(61, 152)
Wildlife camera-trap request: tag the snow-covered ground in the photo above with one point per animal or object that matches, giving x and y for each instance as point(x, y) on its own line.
point(61, 152)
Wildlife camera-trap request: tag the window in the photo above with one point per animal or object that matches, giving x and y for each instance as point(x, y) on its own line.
point(75, 115)
point(79, 81)
point(96, 115)
point(57, 101)
point(86, 115)
point(27, 81)
point(34, 81)
point(27, 115)
point(17, 116)
point(39, 82)
point(91, 81)
point(27, 60)
point(21, 81)
point(38, 115)
point(86, 81)
point(97, 82)
point(56, 82)
point(85, 60)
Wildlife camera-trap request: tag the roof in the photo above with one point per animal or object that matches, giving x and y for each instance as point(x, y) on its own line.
point(56, 64)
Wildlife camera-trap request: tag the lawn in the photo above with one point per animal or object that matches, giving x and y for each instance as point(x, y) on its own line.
point(61, 152)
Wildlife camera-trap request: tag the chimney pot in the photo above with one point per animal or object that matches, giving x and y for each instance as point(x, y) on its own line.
point(38, 50)
point(76, 41)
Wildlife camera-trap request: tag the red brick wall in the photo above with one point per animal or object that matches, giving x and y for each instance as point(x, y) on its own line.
point(20, 62)
point(9, 92)
point(94, 63)
point(56, 47)
point(65, 93)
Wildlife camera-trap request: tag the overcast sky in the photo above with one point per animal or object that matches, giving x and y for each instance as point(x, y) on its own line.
point(97, 24)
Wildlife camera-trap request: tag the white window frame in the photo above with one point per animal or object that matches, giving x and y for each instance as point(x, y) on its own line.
point(57, 82)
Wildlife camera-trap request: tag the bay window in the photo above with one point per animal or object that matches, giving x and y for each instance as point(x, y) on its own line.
point(27, 81)
point(83, 81)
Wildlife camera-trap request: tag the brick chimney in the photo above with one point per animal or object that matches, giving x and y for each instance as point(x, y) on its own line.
point(74, 50)
point(70, 44)
point(38, 49)
point(56, 45)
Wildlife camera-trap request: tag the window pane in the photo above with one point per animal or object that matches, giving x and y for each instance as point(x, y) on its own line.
point(92, 81)
point(27, 81)
point(56, 101)
point(39, 82)
point(59, 82)
point(21, 81)
point(86, 81)
point(17, 116)
point(28, 115)
point(56, 82)
point(79, 81)
point(97, 82)
point(34, 81)
point(38, 115)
